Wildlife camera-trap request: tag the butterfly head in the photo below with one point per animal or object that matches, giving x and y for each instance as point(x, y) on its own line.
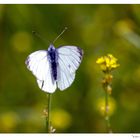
point(51, 48)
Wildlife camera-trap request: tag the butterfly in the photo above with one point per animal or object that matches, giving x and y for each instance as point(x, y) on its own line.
point(55, 67)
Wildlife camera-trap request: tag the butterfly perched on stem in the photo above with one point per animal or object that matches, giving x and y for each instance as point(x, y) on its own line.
point(55, 67)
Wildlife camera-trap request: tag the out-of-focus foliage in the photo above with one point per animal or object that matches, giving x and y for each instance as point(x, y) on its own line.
point(98, 29)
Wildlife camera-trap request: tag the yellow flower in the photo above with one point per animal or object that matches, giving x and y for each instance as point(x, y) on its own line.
point(107, 63)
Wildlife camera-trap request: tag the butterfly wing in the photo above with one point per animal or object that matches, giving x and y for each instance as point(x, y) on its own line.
point(39, 65)
point(69, 59)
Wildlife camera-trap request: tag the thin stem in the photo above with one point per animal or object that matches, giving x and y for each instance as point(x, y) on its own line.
point(48, 125)
point(107, 118)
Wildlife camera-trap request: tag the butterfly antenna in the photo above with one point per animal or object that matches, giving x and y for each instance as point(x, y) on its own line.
point(39, 36)
point(60, 34)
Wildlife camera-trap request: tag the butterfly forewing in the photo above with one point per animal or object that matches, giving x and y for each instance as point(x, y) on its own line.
point(38, 63)
point(69, 59)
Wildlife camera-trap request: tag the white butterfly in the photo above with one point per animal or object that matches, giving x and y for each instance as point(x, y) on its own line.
point(55, 67)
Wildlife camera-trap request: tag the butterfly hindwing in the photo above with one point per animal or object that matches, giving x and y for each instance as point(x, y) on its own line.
point(69, 59)
point(38, 63)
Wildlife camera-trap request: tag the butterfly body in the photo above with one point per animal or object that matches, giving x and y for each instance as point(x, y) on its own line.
point(53, 58)
point(55, 67)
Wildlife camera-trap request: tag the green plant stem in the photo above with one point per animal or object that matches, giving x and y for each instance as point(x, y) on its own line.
point(107, 118)
point(48, 125)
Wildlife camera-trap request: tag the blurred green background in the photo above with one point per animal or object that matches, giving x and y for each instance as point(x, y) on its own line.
point(98, 30)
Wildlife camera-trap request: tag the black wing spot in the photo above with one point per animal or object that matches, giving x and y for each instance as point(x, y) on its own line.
point(81, 52)
point(69, 66)
point(42, 84)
